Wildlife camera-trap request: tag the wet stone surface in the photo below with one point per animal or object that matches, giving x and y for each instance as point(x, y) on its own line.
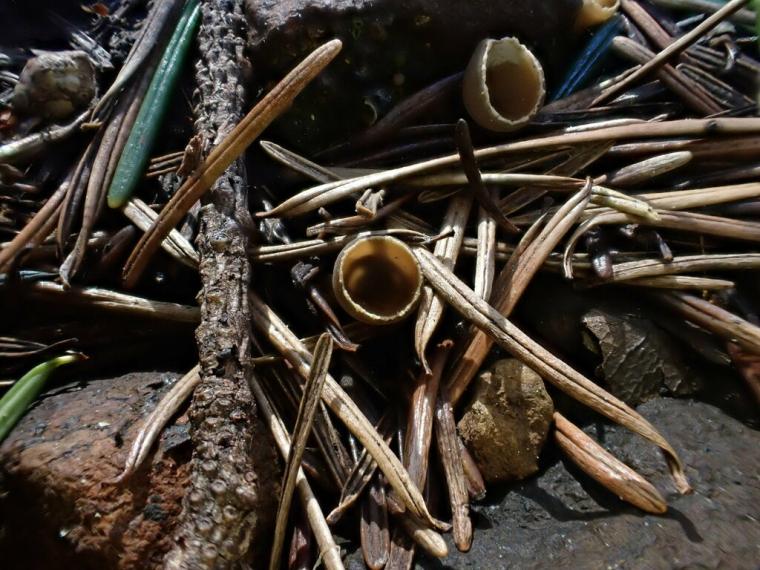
point(562, 517)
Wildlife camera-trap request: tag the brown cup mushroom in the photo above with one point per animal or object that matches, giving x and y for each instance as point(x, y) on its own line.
point(377, 280)
point(503, 85)
point(595, 12)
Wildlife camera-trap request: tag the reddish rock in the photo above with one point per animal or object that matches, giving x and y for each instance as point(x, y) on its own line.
point(60, 509)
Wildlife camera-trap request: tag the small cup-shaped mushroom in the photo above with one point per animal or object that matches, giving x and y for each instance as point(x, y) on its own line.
point(503, 85)
point(377, 280)
point(595, 12)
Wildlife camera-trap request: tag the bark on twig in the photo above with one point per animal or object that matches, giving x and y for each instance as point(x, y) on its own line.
point(218, 512)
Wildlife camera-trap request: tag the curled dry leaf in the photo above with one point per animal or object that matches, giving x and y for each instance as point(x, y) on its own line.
point(551, 368)
point(601, 465)
point(306, 412)
point(276, 331)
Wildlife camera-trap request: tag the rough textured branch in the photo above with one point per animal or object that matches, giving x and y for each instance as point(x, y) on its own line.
point(218, 513)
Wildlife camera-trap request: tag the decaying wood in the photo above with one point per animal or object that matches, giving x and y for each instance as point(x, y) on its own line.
point(219, 509)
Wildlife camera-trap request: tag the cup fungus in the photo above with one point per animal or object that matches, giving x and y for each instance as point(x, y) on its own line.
point(377, 280)
point(503, 85)
point(595, 12)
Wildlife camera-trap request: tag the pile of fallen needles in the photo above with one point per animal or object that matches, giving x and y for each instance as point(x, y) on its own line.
point(383, 273)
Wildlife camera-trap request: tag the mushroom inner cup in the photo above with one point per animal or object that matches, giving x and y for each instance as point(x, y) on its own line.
point(380, 277)
point(514, 86)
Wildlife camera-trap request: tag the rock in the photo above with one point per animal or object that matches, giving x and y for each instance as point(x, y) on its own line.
point(665, 342)
point(53, 85)
point(563, 517)
point(391, 49)
point(505, 424)
point(60, 511)
point(639, 360)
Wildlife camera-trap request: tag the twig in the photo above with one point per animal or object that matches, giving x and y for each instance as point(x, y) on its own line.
point(373, 530)
point(688, 199)
point(475, 182)
point(301, 543)
point(485, 257)
point(510, 285)
point(711, 317)
point(420, 419)
point(100, 169)
point(447, 249)
point(361, 474)
point(732, 147)
point(685, 264)
point(281, 337)
point(175, 244)
point(691, 93)
point(744, 16)
point(28, 147)
point(147, 41)
point(451, 459)
point(37, 229)
point(305, 248)
point(476, 486)
point(118, 302)
point(308, 200)
point(645, 170)
point(682, 282)
point(685, 221)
